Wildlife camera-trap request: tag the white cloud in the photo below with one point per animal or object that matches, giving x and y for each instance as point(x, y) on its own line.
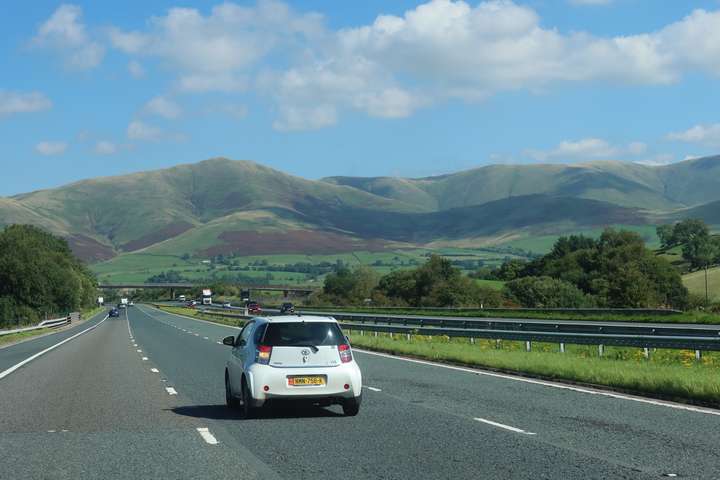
point(587, 149)
point(708, 135)
point(163, 107)
point(233, 110)
point(104, 147)
point(138, 130)
point(223, 44)
point(136, 69)
point(22, 102)
point(439, 51)
point(51, 148)
point(64, 32)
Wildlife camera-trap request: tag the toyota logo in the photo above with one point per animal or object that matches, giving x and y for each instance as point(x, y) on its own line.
point(305, 352)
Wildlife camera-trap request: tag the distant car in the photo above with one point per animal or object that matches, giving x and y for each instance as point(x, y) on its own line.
point(287, 307)
point(254, 308)
point(226, 305)
point(114, 312)
point(191, 304)
point(121, 305)
point(298, 358)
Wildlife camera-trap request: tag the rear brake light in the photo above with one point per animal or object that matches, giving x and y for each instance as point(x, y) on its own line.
point(345, 353)
point(263, 354)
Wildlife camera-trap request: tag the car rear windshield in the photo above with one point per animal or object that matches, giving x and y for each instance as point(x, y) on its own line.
point(303, 334)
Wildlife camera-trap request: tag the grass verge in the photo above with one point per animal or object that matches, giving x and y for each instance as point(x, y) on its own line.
point(685, 317)
point(668, 374)
point(18, 337)
point(191, 312)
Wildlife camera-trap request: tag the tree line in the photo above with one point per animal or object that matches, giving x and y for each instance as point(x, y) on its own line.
point(615, 270)
point(699, 248)
point(39, 275)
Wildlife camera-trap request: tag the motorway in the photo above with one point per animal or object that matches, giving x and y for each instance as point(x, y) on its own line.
point(141, 396)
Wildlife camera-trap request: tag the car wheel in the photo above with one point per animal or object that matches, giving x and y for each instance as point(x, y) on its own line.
point(351, 406)
point(230, 399)
point(246, 404)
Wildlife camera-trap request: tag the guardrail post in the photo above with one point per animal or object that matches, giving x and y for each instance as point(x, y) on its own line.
point(391, 334)
point(562, 347)
point(376, 333)
point(601, 350)
point(528, 346)
point(472, 340)
point(698, 355)
point(646, 353)
point(408, 337)
point(497, 344)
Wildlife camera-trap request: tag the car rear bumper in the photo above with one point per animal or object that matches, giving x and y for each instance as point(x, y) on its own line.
point(276, 379)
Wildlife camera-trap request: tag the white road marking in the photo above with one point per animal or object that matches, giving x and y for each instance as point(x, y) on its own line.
point(155, 370)
point(51, 431)
point(197, 334)
point(190, 318)
point(374, 389)
point(171, 391)
point(207, 436)
point(219, 342)
point(546, 383)
point(145, 358)
point(206, 338)
point(39, 354)
point(506, 427)
point(139, 351)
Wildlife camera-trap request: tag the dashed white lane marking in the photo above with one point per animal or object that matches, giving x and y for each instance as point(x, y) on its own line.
point(197, 334)
point(144, 358)
point(502, 425)
point(374, 389)
point(207, 436)
point(219, 342)
point(43, 352)
point(139, 351)
point(51, 431)
point(171, 391)
point(545, 383)
point(206, 338)
point(155, 370)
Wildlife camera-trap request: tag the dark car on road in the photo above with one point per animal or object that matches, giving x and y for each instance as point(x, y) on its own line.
point(287, 307)
point(254, 308)
point(114, 312)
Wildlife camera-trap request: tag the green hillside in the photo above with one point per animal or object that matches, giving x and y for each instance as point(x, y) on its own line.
point(227, 207)
point(695, 283)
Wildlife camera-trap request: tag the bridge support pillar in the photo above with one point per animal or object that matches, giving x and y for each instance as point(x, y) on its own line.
point(172, 294)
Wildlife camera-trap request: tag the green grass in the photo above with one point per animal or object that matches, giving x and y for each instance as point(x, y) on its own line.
point(668, 373)
point(16, 337)
point(684, 317)
point(695, 283)
point(191, 312)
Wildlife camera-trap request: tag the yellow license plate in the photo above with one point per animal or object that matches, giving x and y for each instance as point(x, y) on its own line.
point(301, 381)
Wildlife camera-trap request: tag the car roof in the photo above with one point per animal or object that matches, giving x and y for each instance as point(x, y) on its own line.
point(295, 319)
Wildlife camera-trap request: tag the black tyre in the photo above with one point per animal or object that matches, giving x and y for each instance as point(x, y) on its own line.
point(248, 411)
point(351, 407)
point(230, 399)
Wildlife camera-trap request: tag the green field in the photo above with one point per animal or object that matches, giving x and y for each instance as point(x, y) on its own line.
point(138, 267)
point(695, 282)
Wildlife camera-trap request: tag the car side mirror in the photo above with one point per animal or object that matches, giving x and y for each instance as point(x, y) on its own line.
point(241, 343)
point(229, 341)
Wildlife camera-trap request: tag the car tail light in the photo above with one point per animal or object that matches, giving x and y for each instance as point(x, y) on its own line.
point(263, 354)
point(345, 353)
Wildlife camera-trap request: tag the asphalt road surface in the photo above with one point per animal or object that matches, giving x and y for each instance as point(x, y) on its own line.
point(141, 396)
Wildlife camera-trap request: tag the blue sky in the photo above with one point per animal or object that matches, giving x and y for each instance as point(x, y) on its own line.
point(320, 88)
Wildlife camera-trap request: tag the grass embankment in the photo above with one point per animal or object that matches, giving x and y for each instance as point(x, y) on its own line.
point(684, 317)
point(17, 337)
point(695, 283)
point(670, 374)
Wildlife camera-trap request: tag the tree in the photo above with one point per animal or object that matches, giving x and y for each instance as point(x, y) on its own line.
point(547, 292)
point(665, 234)
point(701, 251)
point(688, 229)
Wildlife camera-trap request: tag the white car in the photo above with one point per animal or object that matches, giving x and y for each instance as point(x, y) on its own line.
point(302, 358)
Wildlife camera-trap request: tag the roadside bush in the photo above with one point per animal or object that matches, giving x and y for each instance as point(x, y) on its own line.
point(547, 292)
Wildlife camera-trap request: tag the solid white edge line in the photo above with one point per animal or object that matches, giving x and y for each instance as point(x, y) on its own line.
point(502, 425)
point(171, 391)
point(53, 347)
point(546, 383)
point(207, 436)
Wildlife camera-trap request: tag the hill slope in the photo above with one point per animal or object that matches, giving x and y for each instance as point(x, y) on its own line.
point(224, 206)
